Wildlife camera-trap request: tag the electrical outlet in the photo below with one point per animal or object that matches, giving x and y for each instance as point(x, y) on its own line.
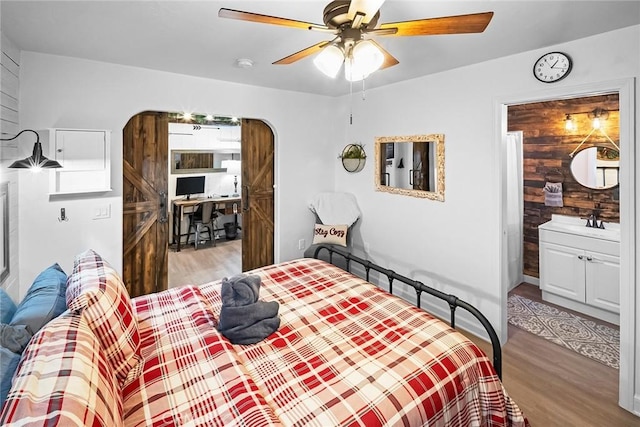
point(302, 244)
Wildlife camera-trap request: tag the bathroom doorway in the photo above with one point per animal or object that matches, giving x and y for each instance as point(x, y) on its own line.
point(625, 197)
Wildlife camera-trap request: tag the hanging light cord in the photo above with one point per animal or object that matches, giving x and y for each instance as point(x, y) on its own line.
point(589, 136)
point(20, 133)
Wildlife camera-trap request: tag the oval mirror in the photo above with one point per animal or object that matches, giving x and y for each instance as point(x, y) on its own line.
point(411, 165)
point(597, 167)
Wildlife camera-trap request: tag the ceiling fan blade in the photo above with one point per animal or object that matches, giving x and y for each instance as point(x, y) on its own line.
point(460, 24)
point(365, 8)
point(389, 60)
point(301, 54)
point(266, 19)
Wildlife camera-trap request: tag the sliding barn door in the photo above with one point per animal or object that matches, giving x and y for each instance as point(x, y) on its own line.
point(144, 192)
point(257, 194)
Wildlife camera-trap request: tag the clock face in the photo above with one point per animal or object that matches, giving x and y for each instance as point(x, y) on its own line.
point(552, 67)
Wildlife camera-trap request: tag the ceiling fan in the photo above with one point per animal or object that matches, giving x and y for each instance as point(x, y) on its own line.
point(354, 23)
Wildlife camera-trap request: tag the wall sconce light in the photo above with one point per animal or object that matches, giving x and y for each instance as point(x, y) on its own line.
point(597, 116)
point(568, 123)
point(36, 161)
point(233, 167)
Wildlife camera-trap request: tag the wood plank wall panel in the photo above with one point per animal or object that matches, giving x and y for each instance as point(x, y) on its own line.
point(9, 122)
point(9, 90)
point(546, 148)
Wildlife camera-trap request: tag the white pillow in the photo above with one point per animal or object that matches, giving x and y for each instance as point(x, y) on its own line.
point(330, 234)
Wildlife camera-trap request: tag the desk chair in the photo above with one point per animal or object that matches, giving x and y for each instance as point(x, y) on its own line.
point(204, 217)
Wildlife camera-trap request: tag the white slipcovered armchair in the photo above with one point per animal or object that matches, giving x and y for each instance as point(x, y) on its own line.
point(334, 208)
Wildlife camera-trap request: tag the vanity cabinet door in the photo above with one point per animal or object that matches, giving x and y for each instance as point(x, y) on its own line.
point(603, 281)
point(562, 271)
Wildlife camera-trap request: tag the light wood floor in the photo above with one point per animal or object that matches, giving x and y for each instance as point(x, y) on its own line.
point(552, 385)
point(555, 386)
point(208, 263)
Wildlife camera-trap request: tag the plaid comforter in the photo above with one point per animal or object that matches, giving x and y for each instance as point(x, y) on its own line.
point(346, 353)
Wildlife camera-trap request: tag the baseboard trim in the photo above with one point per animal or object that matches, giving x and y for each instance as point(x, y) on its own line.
point(532, 280)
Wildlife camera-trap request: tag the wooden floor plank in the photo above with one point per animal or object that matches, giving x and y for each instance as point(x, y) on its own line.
point(555, 386)
point(208, 263)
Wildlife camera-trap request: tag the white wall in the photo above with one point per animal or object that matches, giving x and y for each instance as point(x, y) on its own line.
point(455, 245)
point(66, 92)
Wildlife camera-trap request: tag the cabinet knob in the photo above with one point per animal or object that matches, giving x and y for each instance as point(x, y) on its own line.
point(580, 257)
point(589, 258)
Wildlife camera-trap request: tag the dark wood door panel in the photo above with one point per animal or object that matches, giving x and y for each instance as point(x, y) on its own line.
point(144, 225)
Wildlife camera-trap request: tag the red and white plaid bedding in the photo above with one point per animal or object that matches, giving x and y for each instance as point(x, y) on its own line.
point(346, 353)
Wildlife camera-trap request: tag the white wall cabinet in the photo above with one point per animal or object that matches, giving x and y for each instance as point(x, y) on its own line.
point(85, 156)
point(581, 273)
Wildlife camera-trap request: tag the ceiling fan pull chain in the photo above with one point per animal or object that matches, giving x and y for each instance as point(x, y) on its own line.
point(350, 102)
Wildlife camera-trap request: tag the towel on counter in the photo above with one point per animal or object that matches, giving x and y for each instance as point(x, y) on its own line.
point(244, 319)
point(553, 194)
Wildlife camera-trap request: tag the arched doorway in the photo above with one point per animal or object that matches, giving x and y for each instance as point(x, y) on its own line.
point(146, 202)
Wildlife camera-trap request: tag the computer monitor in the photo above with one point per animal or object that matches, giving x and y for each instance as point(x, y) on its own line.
point(189, 185)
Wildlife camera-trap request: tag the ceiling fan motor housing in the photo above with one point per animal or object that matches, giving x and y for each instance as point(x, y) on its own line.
point(336, 15)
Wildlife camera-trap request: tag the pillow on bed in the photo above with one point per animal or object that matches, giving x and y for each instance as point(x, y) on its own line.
point(330, 234)
point(7, 307)
point(95, 289)
point(44, 300)
point(8, 365)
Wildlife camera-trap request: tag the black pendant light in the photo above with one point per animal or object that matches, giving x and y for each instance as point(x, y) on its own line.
point(37, 159)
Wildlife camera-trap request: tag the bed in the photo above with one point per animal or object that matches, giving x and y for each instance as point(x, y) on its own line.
point(346, 353)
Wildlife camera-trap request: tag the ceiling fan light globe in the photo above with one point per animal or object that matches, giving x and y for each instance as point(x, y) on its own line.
point(365, 59)
point(329, 60)
point(352, 72)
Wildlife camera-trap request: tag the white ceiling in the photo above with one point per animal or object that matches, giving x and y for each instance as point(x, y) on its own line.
point(187, 37)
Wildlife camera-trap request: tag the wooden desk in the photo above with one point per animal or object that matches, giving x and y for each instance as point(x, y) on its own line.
point(224, 205)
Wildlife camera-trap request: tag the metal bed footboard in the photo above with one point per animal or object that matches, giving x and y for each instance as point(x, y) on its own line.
point(453, 301)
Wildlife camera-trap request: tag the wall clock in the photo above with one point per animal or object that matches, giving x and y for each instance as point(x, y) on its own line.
point(552, 66)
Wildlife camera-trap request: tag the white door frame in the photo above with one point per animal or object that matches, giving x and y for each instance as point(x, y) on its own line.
point(629, 158)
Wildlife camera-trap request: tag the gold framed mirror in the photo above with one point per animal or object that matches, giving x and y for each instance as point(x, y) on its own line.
point(410, 165)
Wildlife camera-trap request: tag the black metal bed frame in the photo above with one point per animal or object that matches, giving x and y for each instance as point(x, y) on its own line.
point(453, 301)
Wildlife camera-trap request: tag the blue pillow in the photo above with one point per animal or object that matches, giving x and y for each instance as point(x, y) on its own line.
point(45, 300)
point(8, 365)
point(7, 307)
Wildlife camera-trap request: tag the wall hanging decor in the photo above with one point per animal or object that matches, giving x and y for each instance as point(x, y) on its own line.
point(353, 157)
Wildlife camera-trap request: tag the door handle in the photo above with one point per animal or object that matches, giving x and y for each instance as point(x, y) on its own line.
point(245, 198)
point(162, 214)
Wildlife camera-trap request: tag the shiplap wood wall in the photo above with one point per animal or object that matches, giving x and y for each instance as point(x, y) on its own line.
point(546, 148)
point(9, 125)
